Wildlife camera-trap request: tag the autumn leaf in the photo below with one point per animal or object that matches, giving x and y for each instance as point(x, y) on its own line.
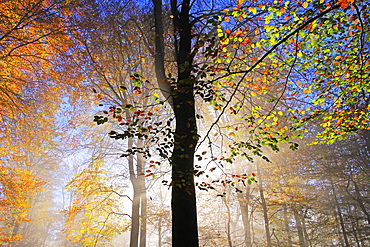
point(345, 3)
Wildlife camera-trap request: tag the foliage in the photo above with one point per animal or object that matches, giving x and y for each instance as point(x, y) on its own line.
point(17, 188)
point(94, 217)
point(33, 84)
point(319, 53)
point(33, 35)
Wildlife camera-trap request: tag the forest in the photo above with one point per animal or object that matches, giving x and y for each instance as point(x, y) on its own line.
point(184, 123)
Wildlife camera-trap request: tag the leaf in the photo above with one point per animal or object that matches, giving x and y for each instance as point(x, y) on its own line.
point(253, 10)
point(345, 3)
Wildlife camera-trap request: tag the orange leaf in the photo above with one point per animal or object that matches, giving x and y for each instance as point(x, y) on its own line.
point(345, 3)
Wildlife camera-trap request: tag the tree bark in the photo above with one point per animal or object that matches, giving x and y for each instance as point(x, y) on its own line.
point(143, 199)
point(339, 213)
point(244, 208)
point(159, 53)
point(184, 213)
point(264, 208)
point(305, 234)
point(135, 215)
point(160, 219)
point(359, 199)
point(287, 228)
point(181, 98)
point(228, 223)
point(366, 136)
point(299, 228)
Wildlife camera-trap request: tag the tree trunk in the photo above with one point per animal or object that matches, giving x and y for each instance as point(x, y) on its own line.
point(299, 229)
point(366, 136)
point(142, 188)
point(354, 225)
point(143, 219)
point(359, 199)
point(264, 208)
point(228, 223)
point(184, 213)
point(135, 215)
point(159, 53)
point(287, 228)
point(160, 218)
point(339, 213)
point(244, 208)
point(305, 234)
point(15, 232)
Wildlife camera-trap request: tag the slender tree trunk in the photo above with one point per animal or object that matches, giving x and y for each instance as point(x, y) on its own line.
point(143, 219)
point(159, 53)
point(339, 213)
point(135, 215)
point(264, 208)
point(228, 223)
point(299, 228)
point(354, 225)
point(160, 218)
point(244, 208)
point(143, 199)
point(366, 136)
point(15, 232)
point(305, 234)
point(46, 235)
point(359, 200)
point(287, 228)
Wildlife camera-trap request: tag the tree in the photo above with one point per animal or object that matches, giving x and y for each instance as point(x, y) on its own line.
point(33, 84)
point(282, 51)
point(117, 53)
point(95, 216)
point(17, 188)
point(33, 36)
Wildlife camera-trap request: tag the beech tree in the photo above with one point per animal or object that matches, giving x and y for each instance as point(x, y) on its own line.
point(116, 51)
point(290, 40)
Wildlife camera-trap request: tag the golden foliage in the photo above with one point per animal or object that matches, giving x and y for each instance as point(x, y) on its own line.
point(95, 215)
